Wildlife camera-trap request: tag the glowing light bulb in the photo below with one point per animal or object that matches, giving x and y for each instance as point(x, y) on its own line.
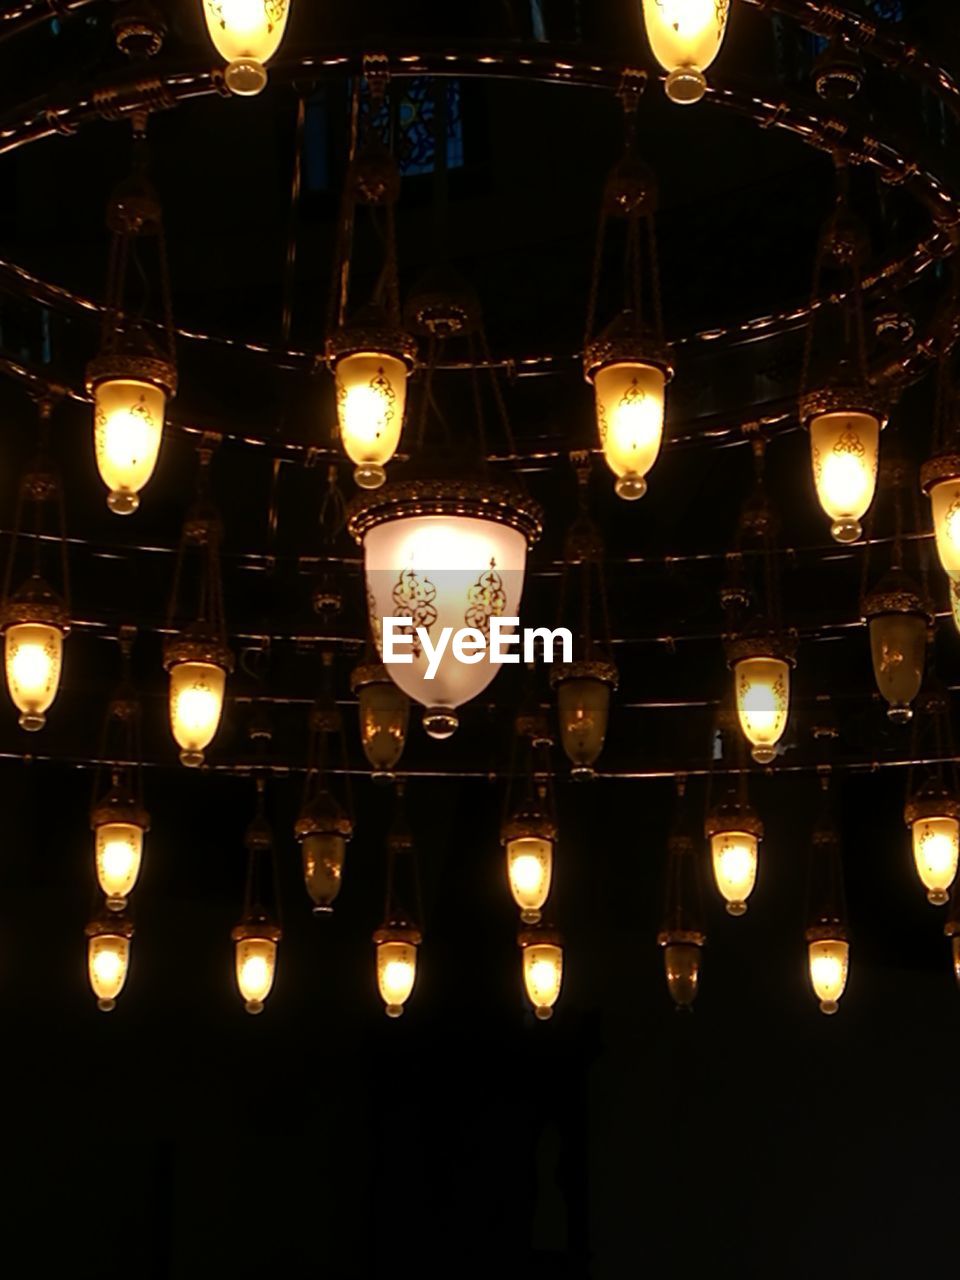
point(255, 960)
point(118, 853)
point(530, 870)
point(735, 858)
point(936, 853)
point(829, 960)
point(34, 656)
point(108, 959)
point(396, 972)
point(542, 970)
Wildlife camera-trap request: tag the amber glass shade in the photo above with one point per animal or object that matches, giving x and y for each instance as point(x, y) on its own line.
point(630, 409)
point(108, 958)
point(735, 856)
point(685, 37)
point(246, 33)
point(196, 704)
point(323, 856)
point(584, 707)
point(936, 852)
point(384, 717)
point(371, 396)
point(256, 964)
point(898, 647)
point(543, 976)
point(128, 427)
point(945, 502)
point(763, 703)
point(829, 961)
point(34, 655)
point(396, 974)
point(681, 962)
point(844, 449)
point(530, 870)
point(118, 853)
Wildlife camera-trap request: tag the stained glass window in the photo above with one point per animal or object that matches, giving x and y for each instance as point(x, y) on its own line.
point(412, 111)
point(888, 10)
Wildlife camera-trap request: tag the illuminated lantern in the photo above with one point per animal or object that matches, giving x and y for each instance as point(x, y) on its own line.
point(542, 969)
point(396, 965)
point(954, 583)
point(933, 817)
point(583, 707)
point(371, 368)
point(34, 626)
point(685, 37)
point(128, 418)
point(198, 674)
point(108, 958)
point(246, 33)
point(828, 957)
point(899, 621)
point(529, 838)
point(844, 451)
point(119, 824)
point(323, 826)
point(630, 398)
point(681, 935)
point(734, 832)
point(940, 480)
point(761, 674)
point(255, 956)
point(384, 716)
point(444, 554)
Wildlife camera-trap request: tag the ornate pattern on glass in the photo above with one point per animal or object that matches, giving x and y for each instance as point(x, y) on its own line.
point(486, 599)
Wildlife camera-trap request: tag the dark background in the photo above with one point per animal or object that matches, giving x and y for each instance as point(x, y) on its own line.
point(180, 1137)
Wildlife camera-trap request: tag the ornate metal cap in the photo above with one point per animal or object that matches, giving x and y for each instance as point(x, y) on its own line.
point(896, 592)
point(397, 931)
point(768, 645)
point(621, 343)
point(139, 29)
point(197, 645)
point(827, 931)
point(443, 306)
point(113, 926)
point(35, 602)
point(368, 673)
point(838, 72)
point(374, 338)
point(595, 669)
point(931, 804)
point(542, 935)
point(118, 805)
point(941, 467)
point(844, 398)
point(140, 367)
point(263, 928)
point(731, 816)
point(681, 937)
point(528, 824)
point(323, 816)
point(485, 500)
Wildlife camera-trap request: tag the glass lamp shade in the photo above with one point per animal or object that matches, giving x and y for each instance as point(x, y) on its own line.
point(681, 963)
point(33, 653)
point(936, 851)
point(108, 960)
point(844, 450)
point(255, 961)
point(196, 705)
point(542, 972)
point(685, 37)
point(371, 396)
point(530, 871)
point(583, 707)
point(443, 571)
point(128, 427)
point(954, 583)
point(734, 855)
point(630, 409)
point(955, 947)
point(762, 687)
point(118, 854)
point(246, 33)
point(829, 960)
point(898, 647)
point(323, 857)
point(396, 967)
point(384, 717)
point(945, 503)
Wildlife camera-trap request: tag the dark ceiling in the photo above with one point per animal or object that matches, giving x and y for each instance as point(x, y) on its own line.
point(180, 1138)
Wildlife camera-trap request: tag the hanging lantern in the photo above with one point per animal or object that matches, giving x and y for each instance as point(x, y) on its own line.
point(828, 947)
point(371, 396)
point(257, 935)
point(933, 817)
point(119, 824)
point(953, 582)
point(198, 659)
point(628, 363)
point(396, 965)
point(844, 452)
point(940, 481)
point(108, 958)
point(384, 716)
point(685, 37)
point(529, 838)
point(682, 936)
point(952, 930)
point(445, 554)
point(828, 955)
point(761, 675)
point(583, 708)
point(323, 826)
point(134, 375)
point(399, 937)
point(899, 622)
point(734, 832)
point(247, 34)
point(542, 951)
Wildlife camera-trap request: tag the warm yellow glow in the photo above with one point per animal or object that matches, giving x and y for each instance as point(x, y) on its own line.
point(955, 946)
point(530, 869)
point(396, 973)
point(246, 33)
point(844, 448)
point(685, 36)
point(196, 704)
point(371, 394)
point(542, 976)
point(108, 957)
point(945, 500)
point(256, 963)
point(763, 703)
point(119, 849)
point(829, 961)
point(954, 581)
point(128, 426)
point(936, 852)
point(34, 654)
point(734, 855)
point(630, 400)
